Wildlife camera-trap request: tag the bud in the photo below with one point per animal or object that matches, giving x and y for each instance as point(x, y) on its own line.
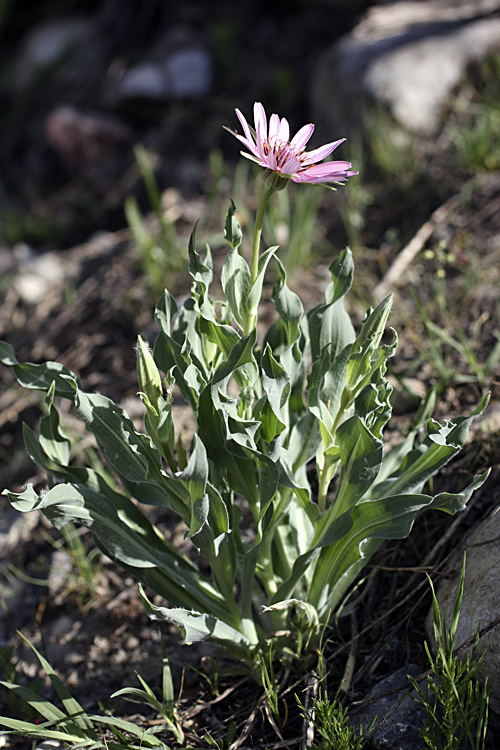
point(275, 181)
point(147, 373)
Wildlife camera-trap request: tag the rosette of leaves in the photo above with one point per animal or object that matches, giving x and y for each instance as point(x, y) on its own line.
point(308, 393)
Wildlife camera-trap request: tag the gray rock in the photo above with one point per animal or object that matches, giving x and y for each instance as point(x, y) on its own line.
point(481, 599)
point(145, 80)
point(61, 569)
point(50, 42)
point(39, 277)
point(408, 56)
point(402, 729)
point(189, 72)
point(179, 67)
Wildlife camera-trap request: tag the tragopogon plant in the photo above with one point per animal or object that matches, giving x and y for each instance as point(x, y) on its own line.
point(271, 558)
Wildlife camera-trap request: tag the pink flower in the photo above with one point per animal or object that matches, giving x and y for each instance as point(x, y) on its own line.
point(272, 148)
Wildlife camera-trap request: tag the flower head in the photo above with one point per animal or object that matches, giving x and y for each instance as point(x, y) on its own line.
point(272, 148)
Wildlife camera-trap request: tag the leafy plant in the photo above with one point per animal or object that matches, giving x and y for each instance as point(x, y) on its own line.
point(332, 726)
point(76, 728)
point(456, 705)
point(164, 707)
point(308, 392)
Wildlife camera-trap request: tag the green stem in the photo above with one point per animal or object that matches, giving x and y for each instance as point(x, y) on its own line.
point(259, 220)
point(325, 478)
point(254, 267)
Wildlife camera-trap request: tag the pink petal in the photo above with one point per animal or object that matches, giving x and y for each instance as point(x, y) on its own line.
point(259, 114)
point(250, 145)
point(300, 139)
point(271, 160)
point(330, 171)
point(260, 143)
point(291, 165)
point(244, 125)
point(274, 126)
point(318, 154)
point(284, 130)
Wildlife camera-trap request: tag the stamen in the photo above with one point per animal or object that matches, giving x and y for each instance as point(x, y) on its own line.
point(282, 151)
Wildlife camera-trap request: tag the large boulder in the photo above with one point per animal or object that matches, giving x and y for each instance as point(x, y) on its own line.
point(408, 55)
point(481, 599)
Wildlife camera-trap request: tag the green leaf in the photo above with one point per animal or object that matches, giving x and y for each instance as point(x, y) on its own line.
point(147, 373)
point(360, 459)
point(373, 405)
point(121, 727)
point(186, 332)
point(303, 441)
point(366, 357)
point(357, 534)
point(173, 355)
point(235, 280)
point(223, 336)
point(7, 354)
point(197, 626)
point(421, 463)
point(326, 385)
point(164, 313)
point(329, 326)
point(255, 291)
point(288, 306)
point(194, 478)
point(374, 324)
point(53, 441)
point(123, 447)
point(39, 377)
point(218, 519)
point(201, 272)
point(232, 229)
point(276, 385)
point(342, 270)
point(123, 533)
point(27, 729)
point(74, 710)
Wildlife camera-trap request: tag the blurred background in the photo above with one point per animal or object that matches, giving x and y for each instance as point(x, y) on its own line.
point(81, 82)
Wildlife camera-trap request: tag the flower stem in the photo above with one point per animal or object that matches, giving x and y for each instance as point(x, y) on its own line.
point(259, 220)
point(254, 267)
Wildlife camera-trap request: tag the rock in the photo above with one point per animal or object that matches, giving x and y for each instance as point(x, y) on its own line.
point(39, 277)
point(15, 529)
point(392, 57)
point(188, 72)
point(85, 140)
point(145, 80)
point(481, 599)
point(179, 67)
point(49, 43)
point(402, 729)
point(61, 569)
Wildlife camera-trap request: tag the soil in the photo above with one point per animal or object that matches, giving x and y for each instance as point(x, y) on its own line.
point(93, 299)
